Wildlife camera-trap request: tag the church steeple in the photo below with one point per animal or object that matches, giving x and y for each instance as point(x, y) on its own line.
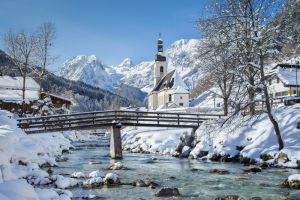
point(160, 64)
point(160, 44)
point(160, 49)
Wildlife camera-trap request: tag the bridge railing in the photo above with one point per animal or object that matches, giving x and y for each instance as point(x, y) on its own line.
point(108, 118)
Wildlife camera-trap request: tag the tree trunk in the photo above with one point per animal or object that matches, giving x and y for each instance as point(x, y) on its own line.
point(24, 89)
point(225, 102)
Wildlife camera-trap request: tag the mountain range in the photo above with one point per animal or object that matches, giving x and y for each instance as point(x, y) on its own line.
point(181, 55)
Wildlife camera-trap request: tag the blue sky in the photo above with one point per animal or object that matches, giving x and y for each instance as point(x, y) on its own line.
point(110, 29)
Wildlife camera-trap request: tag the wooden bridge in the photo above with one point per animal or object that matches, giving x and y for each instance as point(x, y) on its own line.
point(114, 119)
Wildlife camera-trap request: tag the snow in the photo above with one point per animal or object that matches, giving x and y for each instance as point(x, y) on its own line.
point(17, 190)
point(93, 181)
point(256, 134)
point(16, 83)
point(32, 151)
point(97, 173)
point(87, 69)
point(179, 83)
point(78, 175)
point(294, 177)
point(64, 182)
point(151, 139)
point(16, 95)
point(288, 75)
point(111, 176)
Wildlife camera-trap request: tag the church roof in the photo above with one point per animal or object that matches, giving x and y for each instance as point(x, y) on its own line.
point(165, 82)
point(172, 81)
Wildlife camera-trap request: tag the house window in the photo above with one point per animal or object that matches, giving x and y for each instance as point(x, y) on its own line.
point(161, 69)
point(180, 97)
point(180, 104)
point(278, 80)
point(270, 82)
point(170, 97)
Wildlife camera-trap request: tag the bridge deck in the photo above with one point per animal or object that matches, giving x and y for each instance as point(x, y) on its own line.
point(92, 120)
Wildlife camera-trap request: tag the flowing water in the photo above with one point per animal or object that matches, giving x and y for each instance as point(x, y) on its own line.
point(191, 177)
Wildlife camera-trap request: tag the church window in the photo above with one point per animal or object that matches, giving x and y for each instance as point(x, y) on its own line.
point(180, 104)
point(161, 69)
point(180, 97)
point(170, 97)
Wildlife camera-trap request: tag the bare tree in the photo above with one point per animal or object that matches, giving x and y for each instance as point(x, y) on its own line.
point(45, 37)
point(20, 46)
point(243, 24)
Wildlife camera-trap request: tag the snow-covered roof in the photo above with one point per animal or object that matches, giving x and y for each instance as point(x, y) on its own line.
point(8, 95)
point(172, 81)
point(289, 76)
point(16, 83)
point(178, 82)
point(57, 96)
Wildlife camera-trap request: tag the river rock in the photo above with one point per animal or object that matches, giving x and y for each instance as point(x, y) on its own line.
point(228, 197)
point(180, 147)
point(117, 166)
point(293, 182)
point(219, 171)
point(255, 198)
point(226, 158)
point(78, 175)
point(215, 157)
point(151, 184)
point(111, 179)
point(97, 173)
point(93, 182)
point(282, 158)
point(252, 169)
point(139, 183)
point(266, 157)
point(298, 164)
point(186, 150)
point(239, 148)
point(167, 192)
point(95, 162)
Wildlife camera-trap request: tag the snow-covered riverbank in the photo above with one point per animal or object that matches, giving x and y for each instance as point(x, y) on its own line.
point(22, 156)
point(240, 138)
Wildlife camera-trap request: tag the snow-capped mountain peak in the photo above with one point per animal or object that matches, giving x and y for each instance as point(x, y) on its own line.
point(127, 62)
point(87, 69)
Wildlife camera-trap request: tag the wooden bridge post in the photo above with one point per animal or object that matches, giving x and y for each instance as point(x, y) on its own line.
point(116, 142)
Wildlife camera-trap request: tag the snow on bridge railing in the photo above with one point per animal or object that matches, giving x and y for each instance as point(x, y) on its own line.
point(111, 117)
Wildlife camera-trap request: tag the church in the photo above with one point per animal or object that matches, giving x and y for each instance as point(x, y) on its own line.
point(169, 90)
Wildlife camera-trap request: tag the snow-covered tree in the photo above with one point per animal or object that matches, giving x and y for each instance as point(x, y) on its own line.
point(244, 42)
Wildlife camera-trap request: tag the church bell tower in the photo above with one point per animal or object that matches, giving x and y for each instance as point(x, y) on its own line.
point(160, 64)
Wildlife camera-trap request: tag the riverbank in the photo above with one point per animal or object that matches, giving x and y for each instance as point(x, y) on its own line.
point(243, 139)
point(25, 158)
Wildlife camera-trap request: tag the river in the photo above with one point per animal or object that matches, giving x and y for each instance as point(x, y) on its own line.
point(191, 177)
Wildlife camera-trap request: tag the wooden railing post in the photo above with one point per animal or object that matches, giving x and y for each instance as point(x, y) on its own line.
point(198, 120)
point(157, 118)
point(178, 119)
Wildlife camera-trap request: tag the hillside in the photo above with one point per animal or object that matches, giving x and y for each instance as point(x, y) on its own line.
point(84, 96)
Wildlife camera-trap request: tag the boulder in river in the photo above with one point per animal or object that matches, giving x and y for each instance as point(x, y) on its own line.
point(93, 182)
point(282, 158)
point(117, 166)
point(266, 157)
point(186, 150)
point(228, 197)
point(219, 171)
point(111, 179)
point(78, 175)
point(139, 183)
point(167, 192)
point(252, 169)
point(293, 182)
point(97, 173)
